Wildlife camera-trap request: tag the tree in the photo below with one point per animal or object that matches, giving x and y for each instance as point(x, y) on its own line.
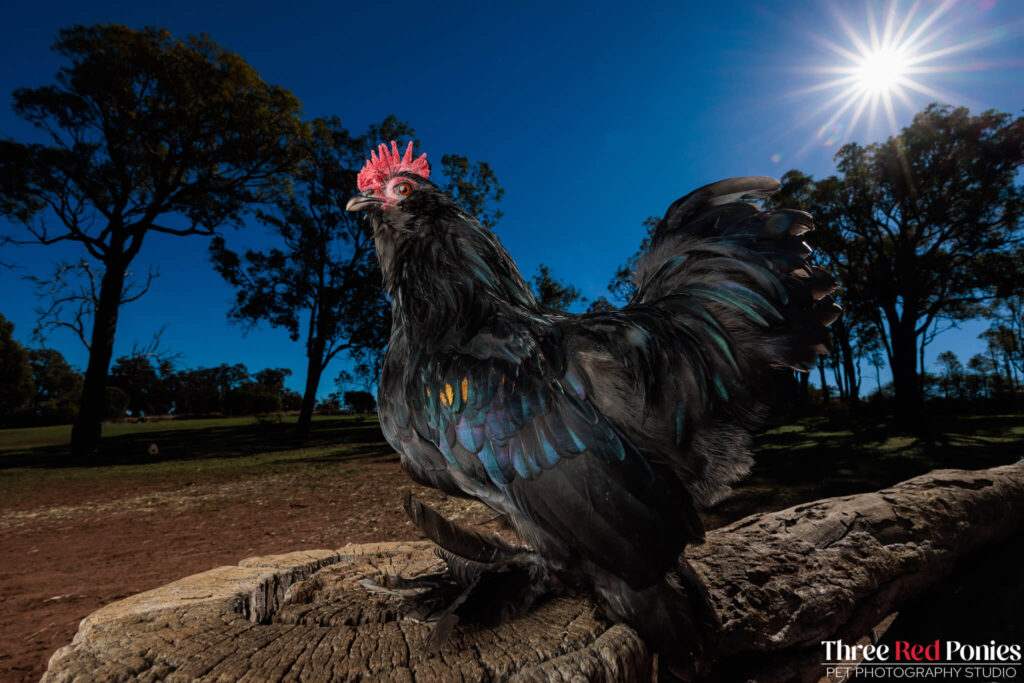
point(952, 380)
point(323, 284)
point(272, 379)
point(1006, 335)
point(877, 361)
point(326, 270)
point(148, 134)
point(265, 393)
point(16, 387)
point(58, 387)
point(330, 405)
point(924, 229)
point(251, 399)
point(621, 285)
point(144, 383)
point(982, 374)
point(1003, 347)
point(933, 215)
point(203, 391)
point(115, 403)
point(554, 293)
point(853, 336)
point(360, 401)
point(473, 185)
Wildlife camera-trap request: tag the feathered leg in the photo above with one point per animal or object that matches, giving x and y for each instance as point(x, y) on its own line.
point(488, 580)
point(675, 617)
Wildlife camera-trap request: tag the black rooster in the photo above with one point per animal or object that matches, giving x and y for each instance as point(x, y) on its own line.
point(596, 435)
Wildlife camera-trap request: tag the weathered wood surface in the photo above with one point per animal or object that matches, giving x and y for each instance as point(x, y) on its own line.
point(782, 582)
point(834, 568)
point(303, 616)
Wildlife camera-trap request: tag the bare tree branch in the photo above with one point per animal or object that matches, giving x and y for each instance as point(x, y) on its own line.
point(70, 296)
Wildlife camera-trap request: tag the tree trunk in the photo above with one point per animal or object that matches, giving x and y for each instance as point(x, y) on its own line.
point(314, 369)
point(849, 365)
point(85, 434)
point(781, 582)
point(824, 380)
point(906, 385)
point(837, 375)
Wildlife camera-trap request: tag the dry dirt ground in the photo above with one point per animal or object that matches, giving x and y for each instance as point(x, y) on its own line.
point(69, 549)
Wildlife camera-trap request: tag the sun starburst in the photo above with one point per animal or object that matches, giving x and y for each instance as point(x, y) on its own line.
point(895, 60)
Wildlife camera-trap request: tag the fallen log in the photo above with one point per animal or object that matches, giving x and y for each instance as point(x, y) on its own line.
point(782, 582)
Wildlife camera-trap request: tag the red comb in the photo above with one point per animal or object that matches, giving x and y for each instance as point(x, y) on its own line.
point(389, 162)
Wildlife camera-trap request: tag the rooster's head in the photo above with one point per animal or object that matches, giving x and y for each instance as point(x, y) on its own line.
point(434, 256)
point(398, 199)
point(388, 180)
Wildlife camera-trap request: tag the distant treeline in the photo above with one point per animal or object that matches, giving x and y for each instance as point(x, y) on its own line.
point(985, 384)
point(43, 389)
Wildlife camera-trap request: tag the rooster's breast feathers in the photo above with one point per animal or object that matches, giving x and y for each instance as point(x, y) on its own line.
point(527, 431)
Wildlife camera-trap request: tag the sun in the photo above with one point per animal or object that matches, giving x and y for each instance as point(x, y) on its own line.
point(891, 61)
point(881, 71)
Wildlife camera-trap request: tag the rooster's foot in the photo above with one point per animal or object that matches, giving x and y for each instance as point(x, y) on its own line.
point(487, 580)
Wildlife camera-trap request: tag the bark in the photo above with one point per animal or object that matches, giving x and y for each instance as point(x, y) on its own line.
point(804, 392)
point(782, 582)
point(85, 434)
point(904, 371)
point(824, 380)
point(849, 363)
point(314, 370)
point(837, 375)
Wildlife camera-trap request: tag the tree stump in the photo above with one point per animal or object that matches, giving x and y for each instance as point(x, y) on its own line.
point(781, 582)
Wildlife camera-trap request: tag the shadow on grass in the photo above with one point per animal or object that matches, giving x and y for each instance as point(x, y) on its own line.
point(810, 459)
point(332, 440)
point(837, 456)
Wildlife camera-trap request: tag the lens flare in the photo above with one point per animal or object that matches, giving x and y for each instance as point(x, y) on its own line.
point(830, 133)
point(892, 61)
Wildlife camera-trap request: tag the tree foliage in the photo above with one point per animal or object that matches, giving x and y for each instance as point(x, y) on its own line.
point(853, 336)
point(474, 186)
point(552, 292)
point(925, 229)
point(324, 276)
point(952, 379)
point(16, 386)
point(360, 401)
point(115, 403)
point(58, 387)
point(145, 384)
point(147, 134)
point(621, 285)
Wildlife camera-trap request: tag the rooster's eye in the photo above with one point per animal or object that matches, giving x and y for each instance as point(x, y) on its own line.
point(402, 189)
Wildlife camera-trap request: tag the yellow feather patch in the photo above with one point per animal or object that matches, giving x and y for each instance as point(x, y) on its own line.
point(449, 394)
point(465, 389)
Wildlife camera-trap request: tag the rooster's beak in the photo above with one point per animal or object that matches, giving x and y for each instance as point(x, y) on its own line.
point(361, 202)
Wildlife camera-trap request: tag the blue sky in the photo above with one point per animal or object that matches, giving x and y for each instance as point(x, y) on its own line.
point(593, 115)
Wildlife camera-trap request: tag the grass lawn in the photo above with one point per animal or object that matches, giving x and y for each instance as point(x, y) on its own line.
point(812, 458)
point(60, 435)
point(188, 450)
point(821, 457)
